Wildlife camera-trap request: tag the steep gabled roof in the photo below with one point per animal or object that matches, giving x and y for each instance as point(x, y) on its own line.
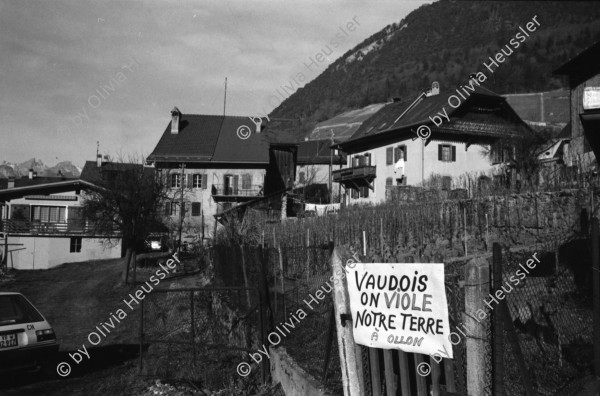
point(210, 138)
point(582, 66)
point(465, 119)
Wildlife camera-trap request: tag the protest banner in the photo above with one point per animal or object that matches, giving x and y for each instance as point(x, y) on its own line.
point(400, 306)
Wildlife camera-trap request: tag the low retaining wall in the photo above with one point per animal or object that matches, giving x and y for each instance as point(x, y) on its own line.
point(293, 379)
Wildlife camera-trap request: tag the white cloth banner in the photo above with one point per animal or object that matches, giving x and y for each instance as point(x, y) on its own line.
point(400, 306)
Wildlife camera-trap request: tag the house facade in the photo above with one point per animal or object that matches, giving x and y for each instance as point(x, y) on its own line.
point(42, 225)
point(386, 152)
point(583, 72)
point(215, 163)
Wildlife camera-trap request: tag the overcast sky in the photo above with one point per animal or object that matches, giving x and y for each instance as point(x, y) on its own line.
point(76, 72)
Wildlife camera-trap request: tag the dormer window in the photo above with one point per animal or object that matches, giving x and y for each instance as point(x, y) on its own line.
point(175, 116)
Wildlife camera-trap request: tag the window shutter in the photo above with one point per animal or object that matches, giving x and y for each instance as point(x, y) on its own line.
point(204, 181)
point(365, 192)
point(397, 153)
point(404, 180)
point(453, 153)
point(195, 208)
point(354, 193)
point(405, 152)
point(189, 180)
point(389, 153)
point(236, 180)
point(246, 181)
point(439, 152)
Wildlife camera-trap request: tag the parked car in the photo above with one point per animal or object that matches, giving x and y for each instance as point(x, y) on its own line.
point(27, 341)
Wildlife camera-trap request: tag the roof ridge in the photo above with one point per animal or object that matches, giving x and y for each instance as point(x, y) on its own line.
point(214, 115)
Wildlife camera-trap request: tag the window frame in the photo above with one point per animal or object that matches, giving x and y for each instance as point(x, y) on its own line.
point(451, 152)
point(196, 209)
point(197, 180)
point(176, 180)
point(75, 244)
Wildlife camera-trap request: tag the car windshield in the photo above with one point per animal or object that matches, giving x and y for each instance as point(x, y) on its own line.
point(15, 309)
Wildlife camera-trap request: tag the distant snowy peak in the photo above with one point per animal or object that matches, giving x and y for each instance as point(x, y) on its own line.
point(64, 168)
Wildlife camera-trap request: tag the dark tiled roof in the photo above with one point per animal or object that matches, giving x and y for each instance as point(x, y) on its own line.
point(584, 65)
point(26, 182)
point(92, 174)
point(210, 138)
point(197, 138)
point(230, 148)
point(487, 123)
point(314, 152)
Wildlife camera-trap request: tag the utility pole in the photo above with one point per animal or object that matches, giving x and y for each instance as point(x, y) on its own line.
point(181, 207)
point(331, 168)
point(225, 97)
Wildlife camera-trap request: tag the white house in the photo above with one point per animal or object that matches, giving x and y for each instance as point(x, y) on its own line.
point(454, 136)
point(42, 224)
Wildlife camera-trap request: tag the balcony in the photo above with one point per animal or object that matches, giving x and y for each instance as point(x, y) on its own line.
point(226, 193)
point(24, 227)
point(356, 176)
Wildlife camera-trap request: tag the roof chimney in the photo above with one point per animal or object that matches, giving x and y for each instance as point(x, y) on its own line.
point(435, 89)
point(175, 116)
point(30, 173)
point(11, 182)
point(99, 160)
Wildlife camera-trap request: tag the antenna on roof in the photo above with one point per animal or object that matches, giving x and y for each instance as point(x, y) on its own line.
point(225, 97)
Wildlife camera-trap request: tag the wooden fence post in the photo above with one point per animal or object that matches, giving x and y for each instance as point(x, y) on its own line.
point(350, 366)
point(477, 288)
point(498, 329)
point(596, 284)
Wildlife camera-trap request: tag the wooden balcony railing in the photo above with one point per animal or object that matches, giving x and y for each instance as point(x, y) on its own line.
point(357, 172)
point(25, 227)
point(222, 190)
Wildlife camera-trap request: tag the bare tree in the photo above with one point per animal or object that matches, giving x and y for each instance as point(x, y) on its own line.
point(525, 151)
point(126, 202)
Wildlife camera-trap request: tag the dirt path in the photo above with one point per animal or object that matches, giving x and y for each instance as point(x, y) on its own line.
point(77, 297)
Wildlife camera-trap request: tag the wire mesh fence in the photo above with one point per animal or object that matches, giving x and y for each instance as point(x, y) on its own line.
point(302, 281)
point(199, 334)
point(552, 316)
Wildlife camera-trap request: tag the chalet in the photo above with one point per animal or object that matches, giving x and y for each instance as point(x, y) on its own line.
point(42, 224)
point(583, 72)
point(386, 151)
point(217, 163)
